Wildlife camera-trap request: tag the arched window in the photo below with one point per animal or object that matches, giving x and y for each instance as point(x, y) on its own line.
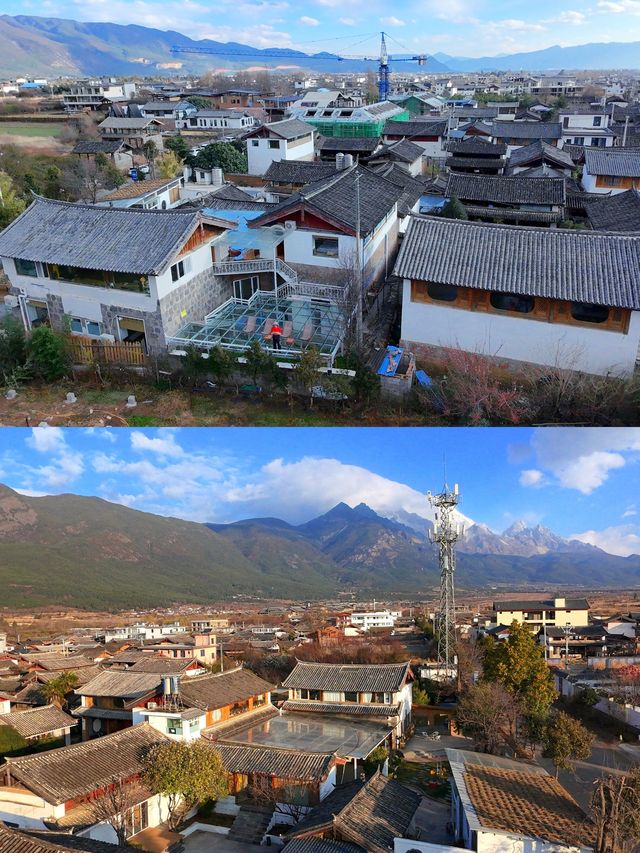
point(512, 302)
point(442, 292)
point(587, 313)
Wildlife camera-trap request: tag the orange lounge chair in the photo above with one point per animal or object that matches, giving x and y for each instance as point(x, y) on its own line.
point(307, 332)
point(287, 332)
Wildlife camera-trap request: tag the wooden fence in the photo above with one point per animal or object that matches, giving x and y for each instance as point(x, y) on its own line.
point(86, 350)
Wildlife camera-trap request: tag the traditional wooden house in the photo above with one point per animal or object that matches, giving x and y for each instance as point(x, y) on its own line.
point(370, 814)
point(34, 724)
point(472, 286)
point(429, 135)
point(476, 155)
point(611, 170)
point(517, 134)
point(540, 155)
point(378, 691)
point(61, 789)
point(47, 841)
point(109, 700)
point(517, 200)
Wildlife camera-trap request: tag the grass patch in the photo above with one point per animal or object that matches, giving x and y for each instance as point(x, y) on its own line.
point(39, 129)
point(144, 421)
point(429, 778)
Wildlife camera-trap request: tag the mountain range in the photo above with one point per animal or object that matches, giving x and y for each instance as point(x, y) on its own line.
point(86, 552)
point(58, 47)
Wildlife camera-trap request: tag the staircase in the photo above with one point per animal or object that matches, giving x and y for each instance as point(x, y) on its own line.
point(250, 824)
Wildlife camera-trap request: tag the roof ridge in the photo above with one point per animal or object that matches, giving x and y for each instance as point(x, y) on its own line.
point(526, 229)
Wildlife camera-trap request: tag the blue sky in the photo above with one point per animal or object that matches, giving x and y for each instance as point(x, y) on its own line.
point(580, 482)
point(456, 27)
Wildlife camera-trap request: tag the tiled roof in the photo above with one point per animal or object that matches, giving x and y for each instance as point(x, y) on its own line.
point(42, 841)
point(298, 172)
point(475, 163)
point(37, 721)
point(475, 112)
point(526, 804)
point(97, 146)
point(235, 725)
point(617, 162)
point(161, 664)
point(224, 688)
point(416, 127)
point(526, 130)
point(334, 197)
point(55, 662)
point(135, 189)
point(477, 145)
point(540, 150)
point(405, 151)
point(321, 845)
point(74, 771)
point(351, 709)
point(121, 684)
point(365, 678)
point(619, 212)
point(370, 814)
point(283, 763)
point(98, 238)
point(359, 144)
point(289, 128)
point(128, 123)
point(499, 189)
point(600, 269)
point(382, 107)
point(540, 603)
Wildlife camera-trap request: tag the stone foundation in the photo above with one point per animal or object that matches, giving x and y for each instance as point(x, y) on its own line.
point(191, 302)
point(153, 331)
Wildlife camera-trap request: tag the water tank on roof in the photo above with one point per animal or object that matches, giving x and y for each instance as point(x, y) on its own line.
point(348, 161)
point(339, 161)
point(166, 685)
point(175, 685)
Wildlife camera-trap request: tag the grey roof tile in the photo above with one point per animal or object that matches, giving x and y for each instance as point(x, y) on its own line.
point(99, 238)
point(283, 763)
point(416, 127)
point(617, 162)
point(619, 212)
point(540, 150)
point(499, 189)
point(601, 269)
point(526, 130)
point(38, 721)
point(385, 677)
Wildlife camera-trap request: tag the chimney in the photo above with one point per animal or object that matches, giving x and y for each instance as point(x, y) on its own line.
point(560, 602)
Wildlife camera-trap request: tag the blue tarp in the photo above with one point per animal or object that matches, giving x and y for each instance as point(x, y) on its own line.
point(391, 361)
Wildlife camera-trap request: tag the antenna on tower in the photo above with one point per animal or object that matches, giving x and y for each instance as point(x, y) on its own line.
point(445, 533)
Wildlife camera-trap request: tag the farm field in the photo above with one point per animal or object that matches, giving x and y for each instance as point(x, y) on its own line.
point(30, 129)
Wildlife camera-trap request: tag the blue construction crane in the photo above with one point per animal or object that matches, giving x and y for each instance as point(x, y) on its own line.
point(383, 60)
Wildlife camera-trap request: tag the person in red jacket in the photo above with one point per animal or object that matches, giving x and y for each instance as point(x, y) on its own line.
point(276, 334)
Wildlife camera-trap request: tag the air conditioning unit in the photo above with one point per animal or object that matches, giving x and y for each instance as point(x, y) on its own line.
point(110, 338)
point(11, 301)
point(152, 706)
point(290, 225)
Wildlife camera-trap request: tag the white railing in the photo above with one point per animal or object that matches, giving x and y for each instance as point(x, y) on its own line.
point(313, 290)
point(257, 265)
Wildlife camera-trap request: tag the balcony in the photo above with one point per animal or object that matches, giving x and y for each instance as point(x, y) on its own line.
point(253, 265)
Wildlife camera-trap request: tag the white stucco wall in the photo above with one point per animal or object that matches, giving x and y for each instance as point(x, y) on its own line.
point(589, 185)
point(590, 349)
point(328, 785)
point(261, 156)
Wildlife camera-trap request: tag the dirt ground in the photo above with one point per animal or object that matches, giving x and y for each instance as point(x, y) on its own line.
point(102, 407)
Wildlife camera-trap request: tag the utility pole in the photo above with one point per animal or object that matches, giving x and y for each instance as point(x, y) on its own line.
point(567, 631)
point(359, 334)
point(445, 533)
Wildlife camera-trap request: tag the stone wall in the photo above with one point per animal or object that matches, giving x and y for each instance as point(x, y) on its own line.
point(196, 298)
point(153, 330)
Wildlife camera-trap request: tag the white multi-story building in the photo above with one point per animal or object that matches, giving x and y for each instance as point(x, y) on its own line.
point(217, 120)
point(586, 128)
point(96, 94)
point(289, 139)
point(374, 619)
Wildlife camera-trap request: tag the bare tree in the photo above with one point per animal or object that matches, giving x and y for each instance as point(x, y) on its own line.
point(287, 799)
point(114, 808)
point(490, 714)
point(615, 810)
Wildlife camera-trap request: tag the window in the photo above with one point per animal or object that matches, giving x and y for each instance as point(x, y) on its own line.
point(579, 140)
point(255, 143)
point(350, 697)
point(26, 267)
point(179, 269)
point(597, 121)
point(326, 247)
point(311, 694)
point(512, 302)
point(442, 292)
point(586, 313)
point(274, 143)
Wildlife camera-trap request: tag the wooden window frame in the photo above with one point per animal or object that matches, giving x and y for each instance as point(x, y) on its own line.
point(544, 310)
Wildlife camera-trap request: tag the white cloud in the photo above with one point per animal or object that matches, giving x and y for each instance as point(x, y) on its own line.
point(165, 446)
point(46, 439)
point(62, 471)
point(618, 7)
point(309, 22)
point(348, 22)
point(531, 477)
point(103, 433)
point(622, 540)
point(582, 459)
point(392, 22)
point(630, 511)
point(569, 16)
